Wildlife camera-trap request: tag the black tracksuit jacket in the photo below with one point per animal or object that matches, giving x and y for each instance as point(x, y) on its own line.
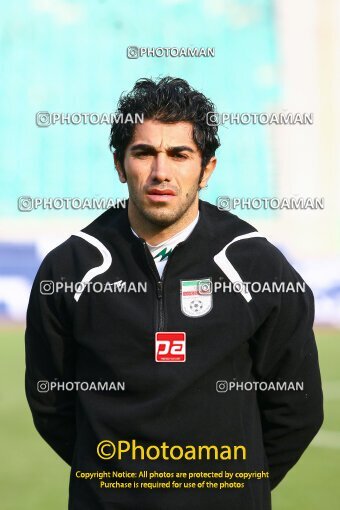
point(110, 336)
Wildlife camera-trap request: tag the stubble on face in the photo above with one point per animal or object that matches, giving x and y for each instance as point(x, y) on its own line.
point(160, 215)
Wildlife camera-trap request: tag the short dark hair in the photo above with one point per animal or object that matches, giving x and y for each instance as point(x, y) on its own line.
point(167, 100)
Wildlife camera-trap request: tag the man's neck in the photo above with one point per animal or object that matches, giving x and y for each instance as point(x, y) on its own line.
point(154, 234)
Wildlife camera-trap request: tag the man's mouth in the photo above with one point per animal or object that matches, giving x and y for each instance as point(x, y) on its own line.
point(160, 195)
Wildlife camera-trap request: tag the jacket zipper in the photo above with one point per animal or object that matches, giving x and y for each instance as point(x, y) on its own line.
point(159, 287)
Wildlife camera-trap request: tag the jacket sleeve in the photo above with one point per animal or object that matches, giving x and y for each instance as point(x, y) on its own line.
point(284, 350)
point(50, 357)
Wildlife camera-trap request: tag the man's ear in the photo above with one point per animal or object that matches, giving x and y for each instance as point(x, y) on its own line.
point(120, 170)
point(210, 167)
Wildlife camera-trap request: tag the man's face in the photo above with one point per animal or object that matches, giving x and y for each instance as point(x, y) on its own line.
point(162, 166)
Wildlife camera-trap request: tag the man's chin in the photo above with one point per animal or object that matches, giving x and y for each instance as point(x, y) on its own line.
point(161, 218)
point(161, 215)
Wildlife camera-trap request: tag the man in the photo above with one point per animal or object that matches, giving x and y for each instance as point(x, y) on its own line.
point(175, 437)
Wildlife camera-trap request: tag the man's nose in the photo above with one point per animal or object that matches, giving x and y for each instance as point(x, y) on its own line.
point(161, 170)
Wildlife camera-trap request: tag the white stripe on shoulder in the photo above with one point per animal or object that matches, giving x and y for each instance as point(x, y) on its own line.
point(95, 271)
point(228, 269)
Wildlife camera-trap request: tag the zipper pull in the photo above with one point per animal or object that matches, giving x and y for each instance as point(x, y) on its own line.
point(159, 289)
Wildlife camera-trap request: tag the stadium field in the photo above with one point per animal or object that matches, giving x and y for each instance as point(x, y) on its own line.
point(34, 478)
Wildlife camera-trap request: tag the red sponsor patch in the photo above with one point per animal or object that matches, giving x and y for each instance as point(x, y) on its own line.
point(170, 346)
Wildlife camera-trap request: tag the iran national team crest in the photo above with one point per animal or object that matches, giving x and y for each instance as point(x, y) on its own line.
point(196, 297)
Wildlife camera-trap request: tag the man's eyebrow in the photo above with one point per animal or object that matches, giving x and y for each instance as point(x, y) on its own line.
point(180, 148)
point(151, 148)
point(142, 146)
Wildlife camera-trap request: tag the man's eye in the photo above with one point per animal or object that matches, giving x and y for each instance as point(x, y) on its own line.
point(141, 154)
point(180, 156)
